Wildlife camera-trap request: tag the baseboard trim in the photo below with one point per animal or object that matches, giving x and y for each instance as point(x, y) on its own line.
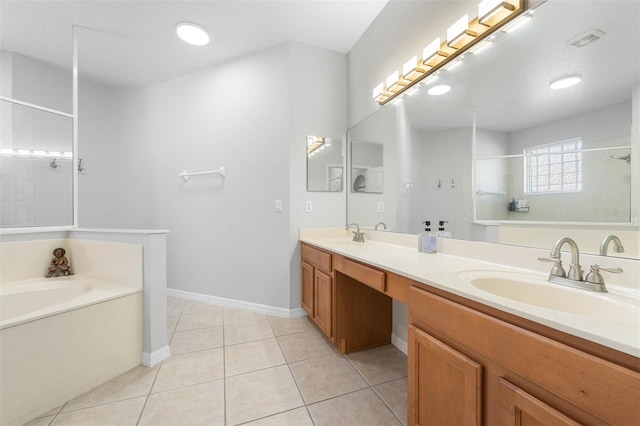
point(400, 344)
point(240, 304)
point(149, 359)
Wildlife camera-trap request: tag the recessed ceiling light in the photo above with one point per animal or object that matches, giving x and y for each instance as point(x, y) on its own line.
point(439, 90)
point(192, 33)
point(565, 82)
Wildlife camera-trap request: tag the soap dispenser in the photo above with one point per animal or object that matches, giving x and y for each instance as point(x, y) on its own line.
point(427, 240)
point(441, 232)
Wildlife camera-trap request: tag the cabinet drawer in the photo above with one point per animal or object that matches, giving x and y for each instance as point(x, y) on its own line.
point(365, 274)
point(320, 259)
point(606, 390)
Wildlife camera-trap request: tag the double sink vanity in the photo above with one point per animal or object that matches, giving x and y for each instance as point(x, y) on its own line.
point(490, 340)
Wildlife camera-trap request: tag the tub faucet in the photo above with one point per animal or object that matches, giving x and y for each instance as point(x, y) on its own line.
point(575, 270)
point(358, 236)
point(617, 245)
point(384, 226)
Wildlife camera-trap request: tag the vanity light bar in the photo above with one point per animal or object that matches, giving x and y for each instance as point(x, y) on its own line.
point(20, 152)
point(463, 36)
point(432, 53)
point(484, 44)
point(394, 83)
point(459, 34)
point(315, 144)
point(490, 11)
point(517, 23)
point(412, 69)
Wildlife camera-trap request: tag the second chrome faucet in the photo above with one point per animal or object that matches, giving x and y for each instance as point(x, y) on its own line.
point(358, 236)
point(574, 278)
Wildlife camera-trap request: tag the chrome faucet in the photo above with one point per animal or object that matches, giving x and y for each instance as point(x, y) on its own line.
point(575, 270)
point(358, 236)
point(384, 226)
point(617, 245)
point(593, 281)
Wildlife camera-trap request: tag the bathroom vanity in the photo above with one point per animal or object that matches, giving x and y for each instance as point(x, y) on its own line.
point(477, 357)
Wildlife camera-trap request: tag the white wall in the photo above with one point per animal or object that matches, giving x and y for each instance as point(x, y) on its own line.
point(363, 207)
point(251, 115)
point(492, 175)
point(6, 75)
point(112, 190)
point(41, 84)
point(604, 179)
point(318, 106)
point(443, 156)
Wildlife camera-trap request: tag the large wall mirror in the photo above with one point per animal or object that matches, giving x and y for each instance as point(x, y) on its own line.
point(367, 171)
point(503, 151)
point(36, 167)
point(37, 164)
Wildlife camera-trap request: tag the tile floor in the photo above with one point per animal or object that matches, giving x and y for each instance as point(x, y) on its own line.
point(230, 367)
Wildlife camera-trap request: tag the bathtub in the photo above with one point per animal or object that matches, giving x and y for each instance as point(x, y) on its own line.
point(60, 337)
point(30, 300)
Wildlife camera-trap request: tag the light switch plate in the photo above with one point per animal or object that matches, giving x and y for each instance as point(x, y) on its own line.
point(308, 206)
point(380, 207)
point(278, 205)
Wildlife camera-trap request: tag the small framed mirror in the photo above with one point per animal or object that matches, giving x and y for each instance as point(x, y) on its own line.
point(366, 167)
point(325, 164)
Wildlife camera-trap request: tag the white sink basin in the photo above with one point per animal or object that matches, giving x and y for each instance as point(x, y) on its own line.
point(535, 290)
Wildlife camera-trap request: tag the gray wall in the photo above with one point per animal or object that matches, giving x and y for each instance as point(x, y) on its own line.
point(251, 115)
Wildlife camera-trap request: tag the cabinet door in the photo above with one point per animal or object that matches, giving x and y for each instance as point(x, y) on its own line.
point(307, 289)
point(445, 386)
point(323, 302)
point(516, 407)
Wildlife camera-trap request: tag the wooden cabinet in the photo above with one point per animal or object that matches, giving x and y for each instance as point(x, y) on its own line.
point(470, 364)
point(516, 407)
point(317, 287)
point(445, 386)
point(346, 300)
point(525, 378)
point(323, 302)
point(308, 293)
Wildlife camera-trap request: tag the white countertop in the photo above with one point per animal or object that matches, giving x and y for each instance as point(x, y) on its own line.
point(617, 326)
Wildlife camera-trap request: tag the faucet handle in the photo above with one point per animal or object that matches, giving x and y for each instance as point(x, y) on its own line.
point(595, 277)
point(612, 269)
point(557, 269)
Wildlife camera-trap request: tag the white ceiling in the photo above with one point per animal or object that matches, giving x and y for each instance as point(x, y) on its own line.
point(133, 43)
point(509, 83)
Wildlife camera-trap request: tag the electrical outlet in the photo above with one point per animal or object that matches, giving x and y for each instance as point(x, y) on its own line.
point(278, 205)
point(380, 207)
point(308, 206)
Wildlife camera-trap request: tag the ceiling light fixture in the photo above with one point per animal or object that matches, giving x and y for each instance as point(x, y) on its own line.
point(412, 69)
point(463, 36)
point(491, 10)
point(432, 52)
point(458, 34)
point(192, 33)
point(563, 83)
point(439, 90)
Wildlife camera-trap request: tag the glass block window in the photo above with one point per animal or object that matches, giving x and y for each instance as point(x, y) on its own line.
point(553, 168)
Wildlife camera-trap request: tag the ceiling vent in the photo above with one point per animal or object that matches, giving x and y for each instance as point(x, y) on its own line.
point(589, 37)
